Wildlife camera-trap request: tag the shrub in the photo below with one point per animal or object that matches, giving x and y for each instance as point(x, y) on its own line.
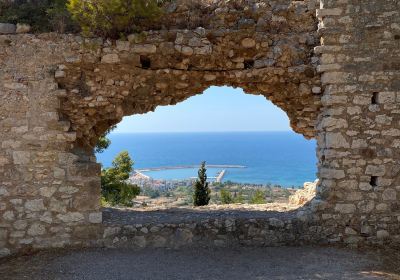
point(258, 197)
point(226, 197)
point(111, 18)
point(59, 17)
point(150, 192)
point(238, 197)
point(202, 192)
point(115, 188)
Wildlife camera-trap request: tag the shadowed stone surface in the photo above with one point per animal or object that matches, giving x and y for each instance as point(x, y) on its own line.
point(217, 264)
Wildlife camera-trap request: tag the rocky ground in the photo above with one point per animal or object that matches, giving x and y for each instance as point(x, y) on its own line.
point(165, 213)
point(224, 263)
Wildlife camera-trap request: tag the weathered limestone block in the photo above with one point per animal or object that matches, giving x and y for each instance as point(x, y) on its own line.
point(144, 48)
point(34, 205)
point(22, 28)
point(345, 208)
point(7, 28)
point(302, 196)
point(109, 58)
point(70, 217)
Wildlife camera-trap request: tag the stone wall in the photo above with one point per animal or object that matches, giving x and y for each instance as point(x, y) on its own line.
point(58, 93)
point(45, 193)
point(358, 130)
point(227, 226)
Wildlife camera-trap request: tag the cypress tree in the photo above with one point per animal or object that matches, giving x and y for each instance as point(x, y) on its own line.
point(202, 192)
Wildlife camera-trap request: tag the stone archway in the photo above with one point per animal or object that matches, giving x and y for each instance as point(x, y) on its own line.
point(112, 80)
point(60, 92)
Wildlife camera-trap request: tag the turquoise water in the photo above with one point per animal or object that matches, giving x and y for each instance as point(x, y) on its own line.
point(283, 158)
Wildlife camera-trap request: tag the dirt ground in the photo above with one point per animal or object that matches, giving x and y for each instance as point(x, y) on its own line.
point(224, 263)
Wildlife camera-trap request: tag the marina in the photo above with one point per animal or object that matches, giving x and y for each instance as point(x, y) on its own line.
point(217, 172)
point(224, 166)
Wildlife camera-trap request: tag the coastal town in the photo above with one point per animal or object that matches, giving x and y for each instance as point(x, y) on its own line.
point(178, 192)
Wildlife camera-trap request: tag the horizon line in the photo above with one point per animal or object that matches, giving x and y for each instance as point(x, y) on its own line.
point(228, 131)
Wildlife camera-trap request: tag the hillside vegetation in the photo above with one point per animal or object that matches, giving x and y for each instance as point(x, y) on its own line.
point(105, 18)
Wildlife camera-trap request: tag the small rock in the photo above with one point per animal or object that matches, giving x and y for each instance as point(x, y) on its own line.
point(188, 51)
point(316, 90)
point(59, 74)
point(248, 43)
point(144, 230)
point(200, 31)
point(140, 241)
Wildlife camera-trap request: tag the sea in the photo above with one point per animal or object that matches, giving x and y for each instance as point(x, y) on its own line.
point(282, 158)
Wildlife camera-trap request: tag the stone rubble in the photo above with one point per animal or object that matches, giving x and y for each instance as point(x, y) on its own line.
point(304, 195)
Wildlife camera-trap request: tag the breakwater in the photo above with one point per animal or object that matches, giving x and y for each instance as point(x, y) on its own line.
point(223, 166)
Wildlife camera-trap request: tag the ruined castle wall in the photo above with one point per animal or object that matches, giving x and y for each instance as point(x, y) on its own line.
point(359, 129)
point(58, 93)
point(45, 193)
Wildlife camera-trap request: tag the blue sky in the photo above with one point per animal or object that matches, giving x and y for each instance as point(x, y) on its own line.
point(218, 109)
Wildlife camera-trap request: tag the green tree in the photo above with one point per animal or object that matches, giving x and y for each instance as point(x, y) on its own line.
point(202, 192)
point(104, 142)
point(111, 18)
point(226, 196)
point(258, 197)
point(115, 187)
point(59, 17)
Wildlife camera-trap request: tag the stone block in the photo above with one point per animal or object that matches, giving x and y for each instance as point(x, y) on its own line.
point(21, 157)
point(96, 217)
point(7, 28)
point(34, 205)
point(144, 48)
point(36, 229)
point(248, 43)
point(22, 28)
point(345, 208)
point(110, 58)
point(389, 194)
point(382, 234)
point(71, 217)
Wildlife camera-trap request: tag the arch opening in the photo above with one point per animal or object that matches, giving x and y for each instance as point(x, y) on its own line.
point(246, 141)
